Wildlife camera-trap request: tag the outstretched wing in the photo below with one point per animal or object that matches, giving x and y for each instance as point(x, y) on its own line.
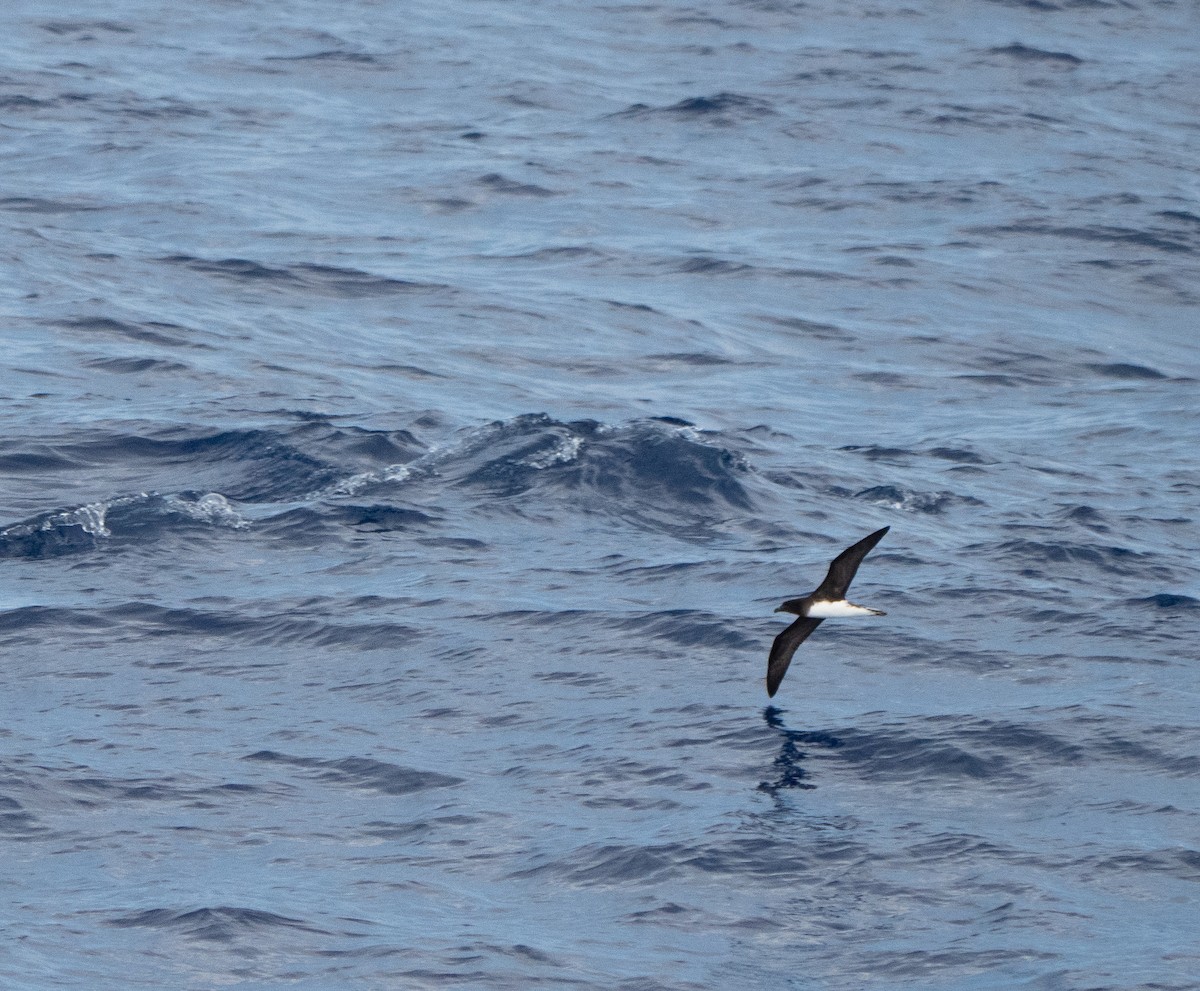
point(844, 567)
point(784, 647)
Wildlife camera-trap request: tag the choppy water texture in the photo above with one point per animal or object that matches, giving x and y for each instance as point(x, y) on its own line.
point(413, 414)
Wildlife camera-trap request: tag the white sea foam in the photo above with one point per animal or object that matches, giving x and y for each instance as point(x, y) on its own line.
point(566, 452)
point(212, 508)
point(89, 518)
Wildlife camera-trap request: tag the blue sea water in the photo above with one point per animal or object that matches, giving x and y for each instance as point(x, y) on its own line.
point(413, 414)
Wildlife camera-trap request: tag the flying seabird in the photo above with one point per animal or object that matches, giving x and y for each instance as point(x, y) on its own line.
point(827, 602)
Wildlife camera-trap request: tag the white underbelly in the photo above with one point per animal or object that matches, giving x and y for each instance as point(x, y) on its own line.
point(838, 610)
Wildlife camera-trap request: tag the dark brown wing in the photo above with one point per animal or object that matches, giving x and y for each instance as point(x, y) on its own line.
point(784, 647)
point(844, 567)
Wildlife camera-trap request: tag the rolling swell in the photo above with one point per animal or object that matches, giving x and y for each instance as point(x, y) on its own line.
point(218, 924)
point(122, 521)
point(646, 469)
point(361, 773)
point(656, 474)
point(309, 624)
point(198, 477)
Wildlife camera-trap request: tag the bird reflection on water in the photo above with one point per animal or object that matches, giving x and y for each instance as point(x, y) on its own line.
point(788, 766)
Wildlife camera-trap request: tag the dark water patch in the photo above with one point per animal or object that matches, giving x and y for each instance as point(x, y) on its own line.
point(416, 829)
point(1024, 53)
point(672, 911)
point(601, 773)
point(463, 544)
point(305, 523)
point(19, 102)
point(136, 366)
point(709, 265)
point(1124, 371)
point(566, 252)
point(33, 204)
point(1035, 554)
point(85, 27)
point(695, 359)
point(1168, 601)
point(331, 55)
point(651, 472)
point(32, 457)
point(1003, 380)
point(450, 204)
point(248, 465)
point(96, 791)
point(1025, 743)
point(917, 502)
point(16, 826)
point(687, 628)
point(272, 468)
point(614, 864)
point(722, 109)
point(341, 443)
point(408, 371)
point(1004, 752)
point(954, 846)
point(1048, 6)
point(1088, 516)
point(1111, 745)
point(140, 620)
point(149, 332)
point(875, 452)
point(1183, 216)
point(899, 755)
point(631, 803)
point(163, 108)
point(891, 379)
point(220, 924)
point(497, 183)
point(362, 773)
point(34, 624)
point(1023, 367)
point(653, 573)
point(326, 280)
point(351, 283)
point(940, 965)
point(763, 860)
point(578, 679)
point(810, 328)
point(956, 117)
point(956, 454)
point(1114, 236)
point(636, 307)
point(1182, 863)
point(16, 823)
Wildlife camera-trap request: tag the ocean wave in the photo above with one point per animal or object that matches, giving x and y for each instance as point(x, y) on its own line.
point(644, 466)
point(361, 773)
point(123, 519)
point(661, 474)
point(218, 924)
point(310, 277)
point(721, 109)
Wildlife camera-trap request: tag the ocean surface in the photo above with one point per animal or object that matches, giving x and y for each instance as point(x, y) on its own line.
point(413, 414)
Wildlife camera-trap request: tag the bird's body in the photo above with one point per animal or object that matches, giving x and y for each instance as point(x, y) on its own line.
point(828, 601)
